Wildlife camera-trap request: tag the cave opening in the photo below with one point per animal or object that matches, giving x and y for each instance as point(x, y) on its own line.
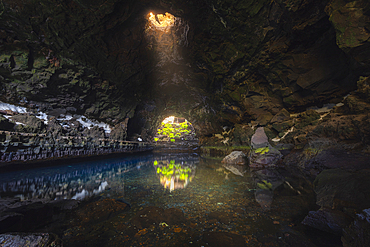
point(175, 130)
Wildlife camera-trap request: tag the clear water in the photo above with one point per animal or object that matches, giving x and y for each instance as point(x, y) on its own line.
point(175, 200)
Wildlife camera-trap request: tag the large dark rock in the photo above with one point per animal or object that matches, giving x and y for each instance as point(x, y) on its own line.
point(358, 233)
point(332, 221)
point(341, 189)
point(340, 194)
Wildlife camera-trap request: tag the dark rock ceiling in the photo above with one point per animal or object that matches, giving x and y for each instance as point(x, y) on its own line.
point(238, 61)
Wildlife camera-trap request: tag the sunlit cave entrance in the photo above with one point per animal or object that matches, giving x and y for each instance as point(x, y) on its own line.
point(175, 131)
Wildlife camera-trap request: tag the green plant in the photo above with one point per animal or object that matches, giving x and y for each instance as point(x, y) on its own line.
point(262, 150)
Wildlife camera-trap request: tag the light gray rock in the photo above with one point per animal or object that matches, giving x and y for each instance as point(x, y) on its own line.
point(235, 157)
point(19, 239)
point(259, 139)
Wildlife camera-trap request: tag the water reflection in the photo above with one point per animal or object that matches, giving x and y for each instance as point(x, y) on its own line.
point(76, 181)
point(175, 175)
point(266, 181)
point(87, 179)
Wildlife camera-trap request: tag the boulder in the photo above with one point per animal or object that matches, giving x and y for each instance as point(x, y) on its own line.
point(332, 221)
point(339, 189)
point(262, 153)
point(358, 233)
point(267, 156)
point(259, 139)
point(235, 157)
point(340, 194)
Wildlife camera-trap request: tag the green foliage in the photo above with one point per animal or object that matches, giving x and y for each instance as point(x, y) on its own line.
point(174, 130)
point(262, 150)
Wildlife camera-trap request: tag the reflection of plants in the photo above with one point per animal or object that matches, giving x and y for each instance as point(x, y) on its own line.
point(173, 176)
point(265, 185)
point(171, 169)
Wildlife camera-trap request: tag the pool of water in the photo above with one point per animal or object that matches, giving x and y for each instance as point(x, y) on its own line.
point(172, 200)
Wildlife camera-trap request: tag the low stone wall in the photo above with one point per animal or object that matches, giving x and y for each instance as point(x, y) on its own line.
point(30, 147)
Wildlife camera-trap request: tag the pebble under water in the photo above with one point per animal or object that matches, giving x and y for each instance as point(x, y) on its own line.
point(172, 200)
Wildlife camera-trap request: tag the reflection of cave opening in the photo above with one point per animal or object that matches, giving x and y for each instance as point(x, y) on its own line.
point(175, 129)
point(175, 175)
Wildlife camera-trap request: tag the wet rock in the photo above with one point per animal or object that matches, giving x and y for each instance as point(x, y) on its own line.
point(262, 153)
point(343, 190)
point(267, 156)
point(358, 233)
point(235, 157)
point(327, 220)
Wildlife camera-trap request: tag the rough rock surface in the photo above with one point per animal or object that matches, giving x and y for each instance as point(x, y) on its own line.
point(339, 189)
point(35, 239)
point(340, 194)
point(262, 153)
point(235, 157)
point(332, 221)
point(358, 233)
point(291, 60)
point(259, 139)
